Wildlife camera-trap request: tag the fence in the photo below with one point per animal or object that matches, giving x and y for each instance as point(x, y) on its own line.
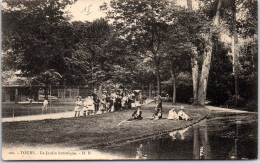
point(15, 110)
point(74, 92)
point(61, 99)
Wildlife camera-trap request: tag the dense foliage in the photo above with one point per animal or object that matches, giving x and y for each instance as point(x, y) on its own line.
point(138, 44)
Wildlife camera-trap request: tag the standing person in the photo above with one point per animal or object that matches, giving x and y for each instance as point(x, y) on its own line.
point(118, 103)
point(45, 105)
point(124, 102)
point(103, 103)
point(159, 101)
point(96, 103)
point(77, 108)
point(112, 104)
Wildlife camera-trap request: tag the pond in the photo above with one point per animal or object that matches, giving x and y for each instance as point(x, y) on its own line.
point(222, 136)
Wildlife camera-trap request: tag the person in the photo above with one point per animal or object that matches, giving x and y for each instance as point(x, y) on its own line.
point(96, 103)
point(172, 114)
point(45, 105)
point(112, 104)
point(182, 115)
point(159, 101)
point(118, 103)
point(144, 99)
point(101, 109)
point(124, 102)
point(132, 101)
point(157, 114)
point(108, 103)
point(137, 114)
point(89, 107)
point(77, 108)
point(103, 103)
point(128, 102)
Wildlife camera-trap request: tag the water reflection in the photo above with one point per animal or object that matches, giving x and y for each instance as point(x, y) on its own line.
point(139, 153)
point(221, 136)
point(201, 147)
point(181, 132)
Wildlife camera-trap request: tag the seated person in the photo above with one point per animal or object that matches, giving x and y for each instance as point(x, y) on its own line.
point(182, 115)
point(158, 114)
point(108, 108)
point(172, 114)
point(137, 114)
point(89, 107)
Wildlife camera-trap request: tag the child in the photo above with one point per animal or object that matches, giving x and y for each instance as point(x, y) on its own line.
point(77, 108)
point(45, 105)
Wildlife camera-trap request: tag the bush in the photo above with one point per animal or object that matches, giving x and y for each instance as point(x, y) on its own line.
point(231, 102)
point(252, 105)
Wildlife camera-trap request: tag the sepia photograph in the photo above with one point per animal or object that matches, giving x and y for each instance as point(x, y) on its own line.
point(129, 79)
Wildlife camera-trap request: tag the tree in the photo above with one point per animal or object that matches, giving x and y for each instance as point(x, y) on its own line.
point(144, 25)
point(240, 29)
point(36, 36)
point(92, 39)
point(177, 57)
point(200, 82)
point(220, 84)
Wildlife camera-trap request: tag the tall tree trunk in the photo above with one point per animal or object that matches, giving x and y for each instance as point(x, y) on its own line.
point(194, 68)
point(174, 89)
point(173, 84)
point(46, 92)
point(189, 4)
point(150, 90)
point(202, 93)
point(235, 50)
point(195, 77)
point(196, 143)
point(159, 87)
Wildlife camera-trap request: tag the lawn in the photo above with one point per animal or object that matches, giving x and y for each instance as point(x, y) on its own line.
point(96, 130)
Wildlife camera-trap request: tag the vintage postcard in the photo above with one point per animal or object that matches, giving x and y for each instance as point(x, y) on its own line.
point(129, 79)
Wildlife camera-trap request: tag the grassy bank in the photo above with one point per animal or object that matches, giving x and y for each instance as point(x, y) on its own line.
point(97, 130)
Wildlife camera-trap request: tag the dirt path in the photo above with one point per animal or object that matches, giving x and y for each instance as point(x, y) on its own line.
point(69, 114)
point(214, 108)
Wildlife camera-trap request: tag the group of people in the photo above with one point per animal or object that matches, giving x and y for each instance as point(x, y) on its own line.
point(178, 115)
point(173, 114)
point(114, 102)
point(106, 103)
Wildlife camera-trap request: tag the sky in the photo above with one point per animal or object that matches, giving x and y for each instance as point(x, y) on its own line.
point(86, 10)
point(80, 9)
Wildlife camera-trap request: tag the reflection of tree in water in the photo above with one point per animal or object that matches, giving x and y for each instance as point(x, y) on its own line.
point(201, 147)
point(140, 153)
point(233, 155)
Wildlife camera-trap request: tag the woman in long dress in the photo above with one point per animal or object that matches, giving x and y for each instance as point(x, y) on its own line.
point(89, 107)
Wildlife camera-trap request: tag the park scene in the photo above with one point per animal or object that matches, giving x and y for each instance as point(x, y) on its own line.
point(129, 79)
